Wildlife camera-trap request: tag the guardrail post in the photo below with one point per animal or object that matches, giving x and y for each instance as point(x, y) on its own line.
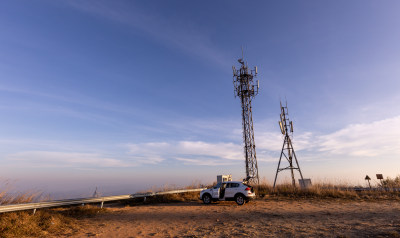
point(102, 203)
point(34, 211)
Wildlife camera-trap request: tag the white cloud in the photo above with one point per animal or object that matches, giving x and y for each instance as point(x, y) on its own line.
point(379, 138)
point(191, 152)
point(203, 162)
point(66, 159)
point(271, 141)
point(228, 151)
point(202, 153)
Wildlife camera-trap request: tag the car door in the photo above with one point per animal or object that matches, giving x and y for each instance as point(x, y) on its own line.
point(233, 189)
point(236, 188)
point(215, 191)
point(222, 191)
point(229, 191)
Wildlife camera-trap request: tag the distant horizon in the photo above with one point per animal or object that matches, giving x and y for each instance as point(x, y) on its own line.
point(123, 188)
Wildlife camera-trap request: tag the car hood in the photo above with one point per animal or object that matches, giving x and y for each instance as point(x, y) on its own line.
point(206, 190)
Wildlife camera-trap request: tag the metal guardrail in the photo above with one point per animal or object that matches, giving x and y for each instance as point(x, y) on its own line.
point(77, 201)
point(383, 189)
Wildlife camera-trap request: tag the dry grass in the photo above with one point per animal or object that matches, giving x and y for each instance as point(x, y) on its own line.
point(167, 198)
point(60, 221)
point(325, 191)
point(24, 224)
point(9, 197)
point(6, 198)
point(44, 221)
point(391, 183)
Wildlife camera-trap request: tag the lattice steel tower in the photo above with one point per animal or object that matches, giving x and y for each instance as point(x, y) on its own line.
point(287, 147)
point(246, 90)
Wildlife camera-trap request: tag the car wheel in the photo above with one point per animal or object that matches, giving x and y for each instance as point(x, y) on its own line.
point(240, 200)
point(207, 199)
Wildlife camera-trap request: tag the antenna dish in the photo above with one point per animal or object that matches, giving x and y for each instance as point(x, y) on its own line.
point(241, 61)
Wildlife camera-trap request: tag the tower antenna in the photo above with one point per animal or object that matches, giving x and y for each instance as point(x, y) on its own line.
point(246, 89)
point(286, 127)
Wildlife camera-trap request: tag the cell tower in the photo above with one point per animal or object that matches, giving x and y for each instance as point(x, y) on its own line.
point(287, 148)
point(246, 90)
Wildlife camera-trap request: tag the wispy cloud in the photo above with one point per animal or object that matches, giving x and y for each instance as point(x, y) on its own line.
point(227, 129)
point(191, 152)
point(204, 162)
point(66, 159)
point(71, 98)
point(379, 138)
point(376, 139)
point(178, 34)
point(79, 106)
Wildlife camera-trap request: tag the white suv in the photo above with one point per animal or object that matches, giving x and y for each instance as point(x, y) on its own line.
point(228, 191)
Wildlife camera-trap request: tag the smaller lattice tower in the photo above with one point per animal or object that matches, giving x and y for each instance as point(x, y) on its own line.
point(287, 148)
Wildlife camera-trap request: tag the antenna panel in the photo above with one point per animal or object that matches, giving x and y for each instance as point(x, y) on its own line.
point(291, 126)
point(282, 128)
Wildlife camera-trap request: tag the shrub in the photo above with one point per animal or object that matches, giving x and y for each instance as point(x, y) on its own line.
point(391, 183)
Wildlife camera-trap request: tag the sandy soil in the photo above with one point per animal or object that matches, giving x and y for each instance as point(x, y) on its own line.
point(263, 218)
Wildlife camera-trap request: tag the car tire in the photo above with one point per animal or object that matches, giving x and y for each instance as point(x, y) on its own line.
point(240, 199)
point(206, 198)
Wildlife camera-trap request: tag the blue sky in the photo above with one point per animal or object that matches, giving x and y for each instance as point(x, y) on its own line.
point(126, 95)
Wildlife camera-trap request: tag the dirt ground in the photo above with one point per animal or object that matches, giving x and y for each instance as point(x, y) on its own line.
point(261, 218)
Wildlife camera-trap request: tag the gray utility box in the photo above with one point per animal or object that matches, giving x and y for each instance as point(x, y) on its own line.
point(305, 183)
point(224, 178)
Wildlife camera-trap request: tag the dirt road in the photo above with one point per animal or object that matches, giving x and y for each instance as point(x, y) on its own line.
point(264, 218)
